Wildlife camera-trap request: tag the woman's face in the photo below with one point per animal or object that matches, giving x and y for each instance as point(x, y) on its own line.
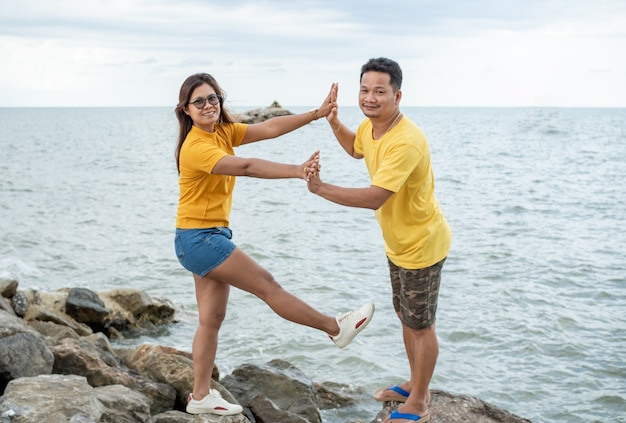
point(200, 109)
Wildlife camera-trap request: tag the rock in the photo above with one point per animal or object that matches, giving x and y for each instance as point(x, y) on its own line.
point(165, 365)
point(23, 351)
point(162, 310)
point(172, 416)
point(6, 306)
point(260, 115)
point(39, 313)
point(102, 342)
point(53, 330)
point(85, 306)
point(97, 383)
point(282, 383)
point(447, 408)
point(266, 410)
point(335, 395)
point(80, 357)
point(140, 305)
point(68, 398)
point(101, 368)
point(133, 300)
point(123, 405)
point(20, 304)
point(210, 418)
point(180, 417)
point(8, 287)
point(86, 311)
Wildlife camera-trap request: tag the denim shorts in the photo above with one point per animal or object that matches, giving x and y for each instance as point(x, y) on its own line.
point(202, 250)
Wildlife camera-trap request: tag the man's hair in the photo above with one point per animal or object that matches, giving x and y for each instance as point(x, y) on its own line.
point(384, 65)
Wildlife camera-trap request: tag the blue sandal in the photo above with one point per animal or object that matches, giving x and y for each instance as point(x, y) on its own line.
point(400, 394)
point(406, 416)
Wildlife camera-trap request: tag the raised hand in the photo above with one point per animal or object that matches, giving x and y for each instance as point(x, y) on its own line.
point(330, 102)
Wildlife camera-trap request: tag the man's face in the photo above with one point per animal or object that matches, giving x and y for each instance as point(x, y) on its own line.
point(377, 98)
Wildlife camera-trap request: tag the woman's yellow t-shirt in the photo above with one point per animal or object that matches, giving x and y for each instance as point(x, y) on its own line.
point(415, 231)
point(206, 199)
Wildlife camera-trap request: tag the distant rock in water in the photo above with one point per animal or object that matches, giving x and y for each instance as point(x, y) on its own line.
point(263, 114)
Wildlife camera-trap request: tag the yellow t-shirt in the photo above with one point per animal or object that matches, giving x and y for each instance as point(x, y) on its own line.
point(206, 199)
point(415, 231)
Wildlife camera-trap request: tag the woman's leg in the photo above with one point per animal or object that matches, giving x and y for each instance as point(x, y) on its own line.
point(241, 271)
point(212, 298)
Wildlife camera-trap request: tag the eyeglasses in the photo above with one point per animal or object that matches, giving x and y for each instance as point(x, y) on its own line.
point(213, 99)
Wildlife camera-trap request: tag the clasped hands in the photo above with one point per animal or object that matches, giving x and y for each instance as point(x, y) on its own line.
point(311, 170)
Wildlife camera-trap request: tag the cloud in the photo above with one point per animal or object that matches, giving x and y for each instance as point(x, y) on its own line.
point(472, 52)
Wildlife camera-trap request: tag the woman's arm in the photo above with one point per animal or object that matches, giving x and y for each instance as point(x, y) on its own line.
point(281, 125)
point(259, 168)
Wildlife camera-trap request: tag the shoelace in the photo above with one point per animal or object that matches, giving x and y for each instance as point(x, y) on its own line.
point(346, 316)
point(213, 392)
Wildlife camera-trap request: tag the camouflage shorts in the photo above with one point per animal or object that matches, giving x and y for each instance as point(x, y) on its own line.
point(415, 294)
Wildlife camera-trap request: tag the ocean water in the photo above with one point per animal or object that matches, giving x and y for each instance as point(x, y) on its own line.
point(532, 309)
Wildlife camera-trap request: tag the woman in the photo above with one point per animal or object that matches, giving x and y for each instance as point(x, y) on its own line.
point(207, 169)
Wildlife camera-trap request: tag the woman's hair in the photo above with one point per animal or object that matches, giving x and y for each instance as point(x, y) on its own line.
point(184, 120)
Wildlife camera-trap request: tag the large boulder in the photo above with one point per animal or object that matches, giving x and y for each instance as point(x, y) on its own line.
point(100, 367)
point(276, 392)
point(123, 405)
point(23, 351)
point(448, 408)
point(142, 308)
point(172, 416)
point(165, 365)
point(85, 306)
point(53, 330)
point(68, 398)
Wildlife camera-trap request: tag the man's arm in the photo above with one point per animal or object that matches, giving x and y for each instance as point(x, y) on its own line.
point(343, 134)
point(368, 198)
point(345, 137)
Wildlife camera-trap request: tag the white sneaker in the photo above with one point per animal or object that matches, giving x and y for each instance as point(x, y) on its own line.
point(351, 324)
point(212, 404)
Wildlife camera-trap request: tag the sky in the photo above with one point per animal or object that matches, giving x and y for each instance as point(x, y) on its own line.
point(453, 53)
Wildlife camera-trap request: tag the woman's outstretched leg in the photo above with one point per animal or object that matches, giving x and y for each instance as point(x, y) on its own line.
point(242, 272)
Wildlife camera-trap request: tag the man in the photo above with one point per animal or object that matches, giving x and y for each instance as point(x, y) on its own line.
point(416, 234)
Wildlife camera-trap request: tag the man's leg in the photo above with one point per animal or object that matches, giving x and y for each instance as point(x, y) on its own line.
point(425, 349)
point(415, 300)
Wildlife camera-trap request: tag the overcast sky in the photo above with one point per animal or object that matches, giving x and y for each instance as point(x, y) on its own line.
point(452, 52)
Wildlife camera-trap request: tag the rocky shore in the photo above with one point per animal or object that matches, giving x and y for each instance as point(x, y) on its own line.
point(59, 363)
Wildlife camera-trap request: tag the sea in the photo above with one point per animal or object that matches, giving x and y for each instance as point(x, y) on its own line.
point(532, 307)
